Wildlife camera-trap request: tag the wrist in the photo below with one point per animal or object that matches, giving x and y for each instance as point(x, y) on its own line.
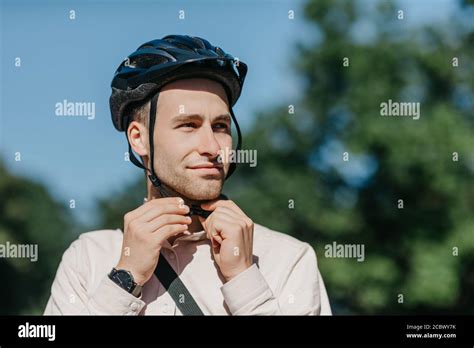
point(137, 277)
point(235, 273)
point(125, 280)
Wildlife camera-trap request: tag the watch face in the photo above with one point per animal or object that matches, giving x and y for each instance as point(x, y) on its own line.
point(124, 279)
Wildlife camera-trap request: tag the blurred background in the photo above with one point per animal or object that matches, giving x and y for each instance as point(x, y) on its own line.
point(62, 176)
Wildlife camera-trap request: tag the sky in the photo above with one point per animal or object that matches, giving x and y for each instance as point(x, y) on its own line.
point(82, 158)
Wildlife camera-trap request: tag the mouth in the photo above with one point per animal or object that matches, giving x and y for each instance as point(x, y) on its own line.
point(207, 169)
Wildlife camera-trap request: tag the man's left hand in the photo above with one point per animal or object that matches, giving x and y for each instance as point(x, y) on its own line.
point(231, 235)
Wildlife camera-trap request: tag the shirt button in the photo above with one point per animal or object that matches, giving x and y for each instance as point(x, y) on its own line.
point(134, 306)
point(172, 257)
point(165, 308)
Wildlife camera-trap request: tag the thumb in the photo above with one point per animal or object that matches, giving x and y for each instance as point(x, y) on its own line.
point(202, 221)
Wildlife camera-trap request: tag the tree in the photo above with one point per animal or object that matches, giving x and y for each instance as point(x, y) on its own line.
point(405, 191)
point(30, 216)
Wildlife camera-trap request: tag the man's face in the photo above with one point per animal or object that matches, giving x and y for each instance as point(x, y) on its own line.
point(193, 125)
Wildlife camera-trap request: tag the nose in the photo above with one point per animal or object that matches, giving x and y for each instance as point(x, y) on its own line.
point(208, 145)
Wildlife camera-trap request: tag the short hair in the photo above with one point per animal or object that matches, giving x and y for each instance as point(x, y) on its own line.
point(140, 112)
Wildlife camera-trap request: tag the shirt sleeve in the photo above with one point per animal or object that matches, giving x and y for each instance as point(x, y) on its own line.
point(302, 291)
point(70, 296)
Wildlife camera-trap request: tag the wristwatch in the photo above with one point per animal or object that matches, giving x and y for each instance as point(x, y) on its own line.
point(124, 279)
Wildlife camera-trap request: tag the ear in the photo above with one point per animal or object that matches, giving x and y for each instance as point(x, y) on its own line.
point(138, 138)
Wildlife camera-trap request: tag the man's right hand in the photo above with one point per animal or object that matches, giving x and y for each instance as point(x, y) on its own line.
point(145, 230)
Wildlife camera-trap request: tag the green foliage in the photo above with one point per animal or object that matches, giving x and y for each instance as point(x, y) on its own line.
point(113, 208)
point(409, 251)
point(29, 215)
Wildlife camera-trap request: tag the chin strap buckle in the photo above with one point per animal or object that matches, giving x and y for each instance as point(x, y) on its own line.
point(195, 210)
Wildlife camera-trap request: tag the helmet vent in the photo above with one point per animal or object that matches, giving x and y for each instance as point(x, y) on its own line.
point(146, 61)
point(198, 42)
point(182, 46)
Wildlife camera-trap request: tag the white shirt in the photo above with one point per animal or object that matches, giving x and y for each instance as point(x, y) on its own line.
point(284, 279)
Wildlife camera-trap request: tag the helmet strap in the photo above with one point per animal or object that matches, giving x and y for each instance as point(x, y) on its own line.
point(233, 165)
point(151, 127)
point(152, 176)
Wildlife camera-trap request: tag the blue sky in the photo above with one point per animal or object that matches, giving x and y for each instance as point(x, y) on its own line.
point(82, 159)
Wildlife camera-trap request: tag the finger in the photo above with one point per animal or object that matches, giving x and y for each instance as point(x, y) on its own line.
point(163, 201)
point(212, 205)
point(212, 234)
point(222, 225)
point(203, 221)
point(227, 220)
point(216, 237)
point(170, 230)
point(167, 219)
point(157, 211)
point(226, 227)
point(229, 212)
point(132, 215)
point(236, 209)
point(230, 217)
point(220, 211)
point(216, 246)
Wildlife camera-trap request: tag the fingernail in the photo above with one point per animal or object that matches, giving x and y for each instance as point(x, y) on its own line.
point(187, 233)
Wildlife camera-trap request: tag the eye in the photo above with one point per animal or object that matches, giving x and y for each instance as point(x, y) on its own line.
point(188, 125)
point(221, 125)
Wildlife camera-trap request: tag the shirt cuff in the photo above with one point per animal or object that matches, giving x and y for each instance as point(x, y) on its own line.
point(109, 298)
point(246, 289)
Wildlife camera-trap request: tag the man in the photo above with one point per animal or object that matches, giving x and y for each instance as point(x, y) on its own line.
point(221, 262)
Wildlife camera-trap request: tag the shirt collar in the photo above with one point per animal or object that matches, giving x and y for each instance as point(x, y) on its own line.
point(196, 236)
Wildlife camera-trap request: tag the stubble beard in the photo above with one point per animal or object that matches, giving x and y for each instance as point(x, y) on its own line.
point(191, 188)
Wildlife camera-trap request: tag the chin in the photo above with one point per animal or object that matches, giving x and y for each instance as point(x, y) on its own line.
point(204, 190)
